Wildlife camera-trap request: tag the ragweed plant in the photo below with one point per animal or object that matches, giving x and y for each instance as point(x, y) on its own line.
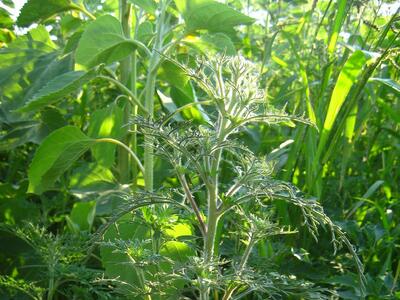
point(197, 154)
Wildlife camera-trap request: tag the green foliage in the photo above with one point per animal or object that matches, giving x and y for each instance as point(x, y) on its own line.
point(257, 143)
point(82, 216)
point(58, 88)
point(55, 155)
point(210, 15)
point(103, 41)
point(37, 10)
point(106, 122)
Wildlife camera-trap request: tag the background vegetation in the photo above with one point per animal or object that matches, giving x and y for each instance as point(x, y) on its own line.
point(125, 159)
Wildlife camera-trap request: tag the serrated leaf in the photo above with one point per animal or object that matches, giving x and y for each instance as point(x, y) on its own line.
point(21, 52)
point(55, 155)
point(57, 88)
point(103, 41)
point(26, 65)
point(35, 11)
point(210, 15)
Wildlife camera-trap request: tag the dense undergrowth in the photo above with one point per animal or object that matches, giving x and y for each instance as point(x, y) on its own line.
point(199, 149)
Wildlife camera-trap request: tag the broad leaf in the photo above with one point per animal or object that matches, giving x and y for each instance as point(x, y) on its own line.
point(33, 131)
point(58, 88)
point(178, 251)
point(26, 65)
point(35, 11)
point(54, 156)
point(82, 216)
point(103, 41)
point(90, 179)
point(106, 122)
point(210, 15)
point(210, 43)
point(181, 91)
point(148, 6)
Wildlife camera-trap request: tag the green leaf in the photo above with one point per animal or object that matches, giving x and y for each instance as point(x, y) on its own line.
point(35, 11)
point(148, 6)
point(103, 41)
point(221, 42)
point(8, 3)
point(389, 110)
point(20, 53)
point(106, 122)
point(337, 24)
point(5, 19)
point(145, 32)
point(169, 105)
point(26, 65)
point(82, 216)
point(178, 251)
point(117, 264)
point(181, 91)
point(387, 82)
point(210, 15)
point(89, 179)
point(178, 230)
point(58, 88)
point(347, 77)
point(54, 156)
point(206, 43)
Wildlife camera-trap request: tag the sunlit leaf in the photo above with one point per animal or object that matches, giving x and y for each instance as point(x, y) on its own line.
point(177, 251)
point(106, 122)
point(54, 156)
point(347, 77)
point(393, 85)
point(210, 15)
point(103, 41)
point(148, 6)
point(38, 10)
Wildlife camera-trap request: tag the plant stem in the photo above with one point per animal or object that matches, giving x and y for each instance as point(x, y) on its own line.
point(229, 292)
point(149, 95)
point(83, 10)
point(212, 189)
point(192, 202)
point(126, 91)
point(125, 69)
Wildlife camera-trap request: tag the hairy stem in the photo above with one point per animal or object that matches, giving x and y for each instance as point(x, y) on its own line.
point(192, 202)
point(149, 94)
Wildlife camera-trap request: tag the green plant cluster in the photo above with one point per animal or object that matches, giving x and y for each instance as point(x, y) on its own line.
point(199, 149)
